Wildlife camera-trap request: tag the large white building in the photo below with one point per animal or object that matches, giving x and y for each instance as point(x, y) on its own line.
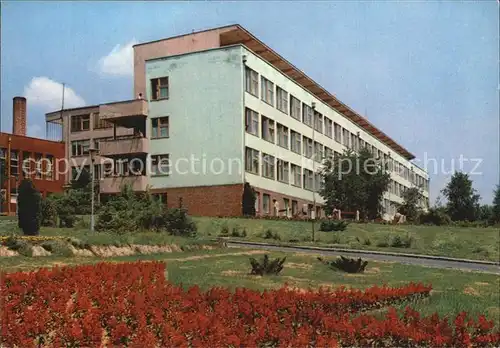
point(225, 109)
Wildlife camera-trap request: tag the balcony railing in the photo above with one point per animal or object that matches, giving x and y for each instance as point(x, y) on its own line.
point(130, 108)
point(114, 184)
point(124, 145)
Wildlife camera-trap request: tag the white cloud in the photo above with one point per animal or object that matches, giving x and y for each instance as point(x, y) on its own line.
point(47, 93)
point(120, 61)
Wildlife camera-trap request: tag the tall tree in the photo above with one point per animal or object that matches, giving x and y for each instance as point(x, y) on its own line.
point(354, 181)
point(29, 208)
point(411, 207)
point(248, 200)
point(496, 205)
point(462, 198)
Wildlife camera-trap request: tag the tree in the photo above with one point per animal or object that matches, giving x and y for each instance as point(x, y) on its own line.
point(484, 213)
point(29, 208)
point(462, 198)
point(248, 200)
point(82, 181)
point(410, 207)
point(354, 182)
point(496, 205)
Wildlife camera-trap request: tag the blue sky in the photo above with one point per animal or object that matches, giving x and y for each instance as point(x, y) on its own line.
point(426, 73)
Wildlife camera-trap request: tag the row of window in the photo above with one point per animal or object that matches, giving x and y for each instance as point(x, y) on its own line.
point(274, 208)
point(277, 169)
point(36, 165)
point(81, 123)
point(276, 133)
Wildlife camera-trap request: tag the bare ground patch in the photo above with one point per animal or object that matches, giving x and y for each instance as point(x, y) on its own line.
point(298, 265)
point(471, 291)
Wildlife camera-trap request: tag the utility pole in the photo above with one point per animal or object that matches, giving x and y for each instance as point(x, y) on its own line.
point(313, 212)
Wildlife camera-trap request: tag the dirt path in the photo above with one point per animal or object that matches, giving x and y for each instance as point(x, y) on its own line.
point(200, 257)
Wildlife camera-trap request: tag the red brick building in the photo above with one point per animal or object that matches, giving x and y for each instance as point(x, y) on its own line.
point(41, 155)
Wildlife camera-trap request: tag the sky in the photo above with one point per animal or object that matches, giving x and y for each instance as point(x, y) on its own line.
point(426, 73)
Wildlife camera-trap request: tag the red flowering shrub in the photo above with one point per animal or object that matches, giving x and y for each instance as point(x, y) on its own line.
point(130, 304)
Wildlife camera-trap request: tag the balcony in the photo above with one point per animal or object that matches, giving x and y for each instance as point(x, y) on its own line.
point(114, 184)
point(113, 112)
point(122, 146)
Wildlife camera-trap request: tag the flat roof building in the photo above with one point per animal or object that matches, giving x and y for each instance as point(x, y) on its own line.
point(22, 156)
point(219, 108)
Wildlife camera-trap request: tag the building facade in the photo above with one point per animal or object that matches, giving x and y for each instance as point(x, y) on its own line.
point(26, 157)
point(218, 109)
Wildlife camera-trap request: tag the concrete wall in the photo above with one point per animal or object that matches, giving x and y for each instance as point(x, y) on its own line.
point(173, 46)
point(205, 110)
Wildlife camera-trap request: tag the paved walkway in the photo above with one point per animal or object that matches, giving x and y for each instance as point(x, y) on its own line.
point(420, 260)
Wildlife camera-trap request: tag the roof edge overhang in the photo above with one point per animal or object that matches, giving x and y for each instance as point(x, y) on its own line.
point(240, 35)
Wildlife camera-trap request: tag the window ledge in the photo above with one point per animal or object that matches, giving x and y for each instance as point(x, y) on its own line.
point(268, 103)
point(159, 175)
point(159, 99)
point(283, 147)
point(166, 137)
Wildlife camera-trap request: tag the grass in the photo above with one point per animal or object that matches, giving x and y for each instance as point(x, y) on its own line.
point(461, 242)
point(454, 291)
point(82, 232)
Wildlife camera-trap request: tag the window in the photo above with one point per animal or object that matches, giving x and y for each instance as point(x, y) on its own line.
point(283, 171)
point(286, 203)
point(354, 142)
point(318, 151)
point(345, 137)
point(252, 81)
point(328, 127)
point(361, 144)
point(268, 166)
point(308, 179)
point(318, 122)
point(49, 167)
point(14, 163)
point(251, 122)
point(328, 153)
point(296, 175)
point(282, 136)
point(251, 160)
point(338, 132)
point(98, 141)
point(80, 147)
point(160, 164)
point(295, 139)
point(267, 91)
point(307, 115)
point(80, 123)
point(159, 88)
point(266, 203)
point(160, 127)
point(294, 107)
point(308, 147)
point(267, 129)
point(295, 207)
point(100, 123)
point(282, 100)
point(38, 162)
point(27, 160)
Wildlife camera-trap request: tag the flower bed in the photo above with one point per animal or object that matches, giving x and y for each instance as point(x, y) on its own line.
point(132, 304)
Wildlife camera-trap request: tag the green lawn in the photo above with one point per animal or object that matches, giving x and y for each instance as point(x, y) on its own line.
point(453, 292)
point(473, 243)
point(460, 242)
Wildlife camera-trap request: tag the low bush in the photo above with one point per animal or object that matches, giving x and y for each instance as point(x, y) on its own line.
point(269, 234)
point(346, 264)
point(77, 243)
point(57, 247)
point(224, 231)
point(23, 247)
point(265, 266)
point(49, 213)
point(333, 225)
point(384, 243)
point(435, 217)
point(401, 241)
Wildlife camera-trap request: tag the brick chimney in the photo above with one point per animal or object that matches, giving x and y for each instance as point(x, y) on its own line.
point(19, 116)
